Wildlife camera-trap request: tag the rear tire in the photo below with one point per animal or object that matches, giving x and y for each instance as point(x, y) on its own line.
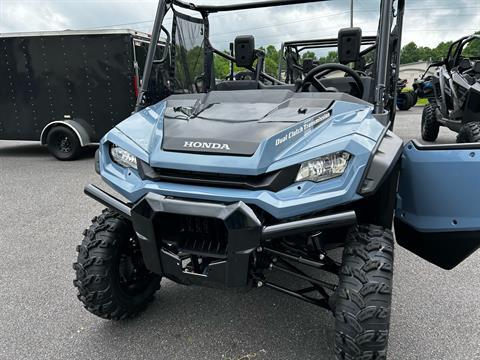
point(414, 98)
point(364, 294)
point(111, 277)
point(430, 125)
point(403, 102)
point(63, 143)
point(469, 133)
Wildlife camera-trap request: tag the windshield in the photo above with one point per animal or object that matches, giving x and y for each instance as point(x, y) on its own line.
point(203, 60)
point(188, 51)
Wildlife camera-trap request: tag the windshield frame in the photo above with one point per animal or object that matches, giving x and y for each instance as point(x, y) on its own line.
point(387, 59)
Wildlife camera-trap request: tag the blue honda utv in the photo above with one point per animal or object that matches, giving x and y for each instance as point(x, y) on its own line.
point(253, 183)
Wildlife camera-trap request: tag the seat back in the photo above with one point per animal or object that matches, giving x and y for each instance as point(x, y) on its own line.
point(244, 51)
point(349, 42)
point(237, 85)
point(347, 85)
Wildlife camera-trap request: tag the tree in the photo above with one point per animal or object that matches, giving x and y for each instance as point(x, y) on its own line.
point(409, 53)
point(440, 52)
point(272, 57)
point(309, 55)
point(271, 66)
point(332, 57)
point(221, 67)
point(272, 53)
point(188, 64)
point(473, 48)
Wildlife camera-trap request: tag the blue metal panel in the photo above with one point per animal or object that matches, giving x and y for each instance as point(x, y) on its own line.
point(439, 189)
point(298, 199)
point(351, 128)
point(141, 127)
point(146, 130)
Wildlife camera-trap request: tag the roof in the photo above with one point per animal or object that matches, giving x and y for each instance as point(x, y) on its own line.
point(239, 6)
point(76, 32)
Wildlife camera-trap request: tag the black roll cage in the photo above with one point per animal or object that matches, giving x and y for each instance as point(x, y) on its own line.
point(385, 44)
point(456, 49)
point(301, 45)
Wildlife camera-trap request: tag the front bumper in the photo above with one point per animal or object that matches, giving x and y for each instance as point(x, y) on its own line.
point(226, 234)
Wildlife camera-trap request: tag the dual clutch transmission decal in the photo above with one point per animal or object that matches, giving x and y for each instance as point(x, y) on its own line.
point(305, 128)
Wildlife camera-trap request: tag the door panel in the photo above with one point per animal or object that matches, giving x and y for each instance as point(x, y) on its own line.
point(438, 202)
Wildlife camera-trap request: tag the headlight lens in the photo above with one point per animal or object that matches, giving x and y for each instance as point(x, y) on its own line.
point(123, 157)
point(324, 168)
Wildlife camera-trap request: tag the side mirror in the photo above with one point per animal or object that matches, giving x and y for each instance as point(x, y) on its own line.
point(349, 42)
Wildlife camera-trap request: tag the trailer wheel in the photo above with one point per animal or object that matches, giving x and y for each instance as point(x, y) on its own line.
point(111, 277)
point(364, 294)
point(469, 133)
point(63, 143)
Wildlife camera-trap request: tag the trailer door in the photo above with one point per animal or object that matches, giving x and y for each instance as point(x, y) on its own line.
point(438, 202)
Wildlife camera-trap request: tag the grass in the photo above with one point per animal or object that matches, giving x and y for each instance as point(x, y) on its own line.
point(420, 102)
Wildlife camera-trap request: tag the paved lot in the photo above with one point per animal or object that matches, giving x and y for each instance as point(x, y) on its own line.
point(435, 313)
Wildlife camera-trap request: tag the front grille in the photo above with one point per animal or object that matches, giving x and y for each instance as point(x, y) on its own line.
point(194, 235)
point(204, 236)
point(273, 181)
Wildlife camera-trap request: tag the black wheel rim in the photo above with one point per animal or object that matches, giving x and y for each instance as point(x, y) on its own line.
point(63, 144)
point(134, 277)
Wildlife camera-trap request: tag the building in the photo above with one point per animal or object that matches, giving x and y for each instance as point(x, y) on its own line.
point(414, 71)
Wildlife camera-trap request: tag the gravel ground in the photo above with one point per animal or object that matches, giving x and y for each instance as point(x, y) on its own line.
point(435, 312)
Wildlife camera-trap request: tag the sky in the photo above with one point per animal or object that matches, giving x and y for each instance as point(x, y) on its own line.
point(426, 22)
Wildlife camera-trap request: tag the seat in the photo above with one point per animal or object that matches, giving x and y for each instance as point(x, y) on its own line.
point(238, 85)
point(464, 65)
point(347, 85)
point(476, 69)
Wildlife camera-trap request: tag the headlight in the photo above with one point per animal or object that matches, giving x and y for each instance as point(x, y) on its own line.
point(323, 168)
point(123, 157)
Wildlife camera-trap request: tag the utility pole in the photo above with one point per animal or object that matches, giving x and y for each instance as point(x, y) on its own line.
point(351, 13)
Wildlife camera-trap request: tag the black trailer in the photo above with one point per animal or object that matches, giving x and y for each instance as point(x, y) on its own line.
point(66, 89)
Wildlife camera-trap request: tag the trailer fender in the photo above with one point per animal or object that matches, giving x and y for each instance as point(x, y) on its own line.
point(78, 126)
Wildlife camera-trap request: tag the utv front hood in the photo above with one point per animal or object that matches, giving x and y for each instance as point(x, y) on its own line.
point(248, 132)
point(235, 123)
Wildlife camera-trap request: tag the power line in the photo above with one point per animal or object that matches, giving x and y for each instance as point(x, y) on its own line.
point(313, 18)
point(279, 24)
point(124, 24)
